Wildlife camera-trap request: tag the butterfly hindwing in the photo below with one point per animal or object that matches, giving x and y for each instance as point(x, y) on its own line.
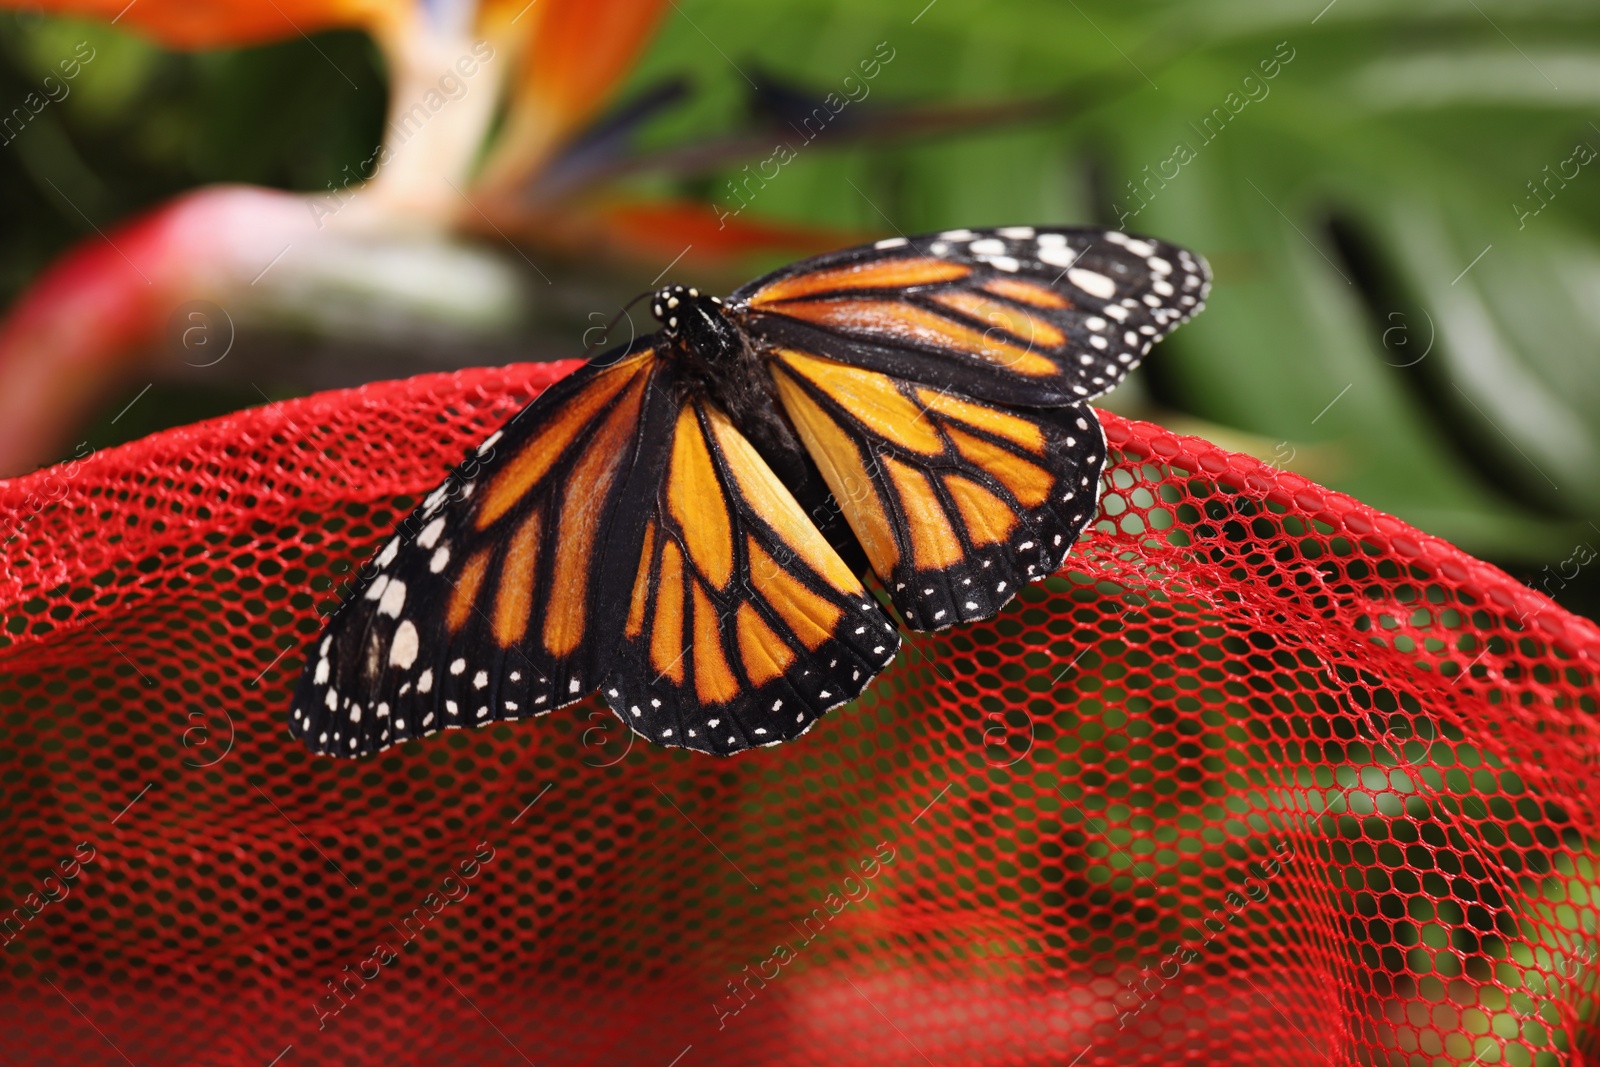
point(958, 502)
point(494, 600)
point(744, 624)
point(1017, 315)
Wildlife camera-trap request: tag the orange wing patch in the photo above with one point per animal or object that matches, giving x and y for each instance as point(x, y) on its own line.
point(983, 417)
point(934, 544)
point(883, 408)
point(986, 517)
point(587, 488)
point(810, 617)
point(883, 274)
point(744, 624)
point(1026, 292)
point(696, 504)
point(540, 453)
point(641, 584)
point(1029, 329)
point(714, 682)
point(514, 601)
point(466, 591)
point(1029, 483)
point(764, 654)
point(839, 459)
point(771, 500)
point(666, 629)
point(957, 514)
point(892, 321)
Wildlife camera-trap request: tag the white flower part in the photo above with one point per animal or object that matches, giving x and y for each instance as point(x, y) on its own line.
point(403, 650)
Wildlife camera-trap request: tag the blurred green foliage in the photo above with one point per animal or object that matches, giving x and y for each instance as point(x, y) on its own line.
point(1406, 243)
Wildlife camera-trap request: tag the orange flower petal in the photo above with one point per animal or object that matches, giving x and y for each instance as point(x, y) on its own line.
point(214, 23)
point(577, 52)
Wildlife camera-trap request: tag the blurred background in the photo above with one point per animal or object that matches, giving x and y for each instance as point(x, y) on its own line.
point(214, 204)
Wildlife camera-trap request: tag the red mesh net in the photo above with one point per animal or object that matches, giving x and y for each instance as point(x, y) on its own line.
point(1261, 777)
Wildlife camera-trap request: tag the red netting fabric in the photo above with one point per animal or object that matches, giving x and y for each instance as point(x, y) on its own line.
point(1262, 777)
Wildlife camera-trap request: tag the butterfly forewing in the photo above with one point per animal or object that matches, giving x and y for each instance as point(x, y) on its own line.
point(744, 624)
point(958, 502)
point(1017, 315)
point(494, 600)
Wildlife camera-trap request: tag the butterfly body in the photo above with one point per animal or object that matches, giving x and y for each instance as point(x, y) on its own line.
point(684, 523)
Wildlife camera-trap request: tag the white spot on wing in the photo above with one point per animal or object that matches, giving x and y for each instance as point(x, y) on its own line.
point(403, 650)
point(394, 599)
point(1092, 282)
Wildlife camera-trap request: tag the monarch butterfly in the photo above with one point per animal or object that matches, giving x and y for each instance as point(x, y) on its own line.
point(683, 522)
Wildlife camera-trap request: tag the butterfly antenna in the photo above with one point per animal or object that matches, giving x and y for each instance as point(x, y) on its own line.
point(605, 333)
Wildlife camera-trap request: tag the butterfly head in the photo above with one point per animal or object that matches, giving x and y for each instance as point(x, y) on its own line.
point(692, 316)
